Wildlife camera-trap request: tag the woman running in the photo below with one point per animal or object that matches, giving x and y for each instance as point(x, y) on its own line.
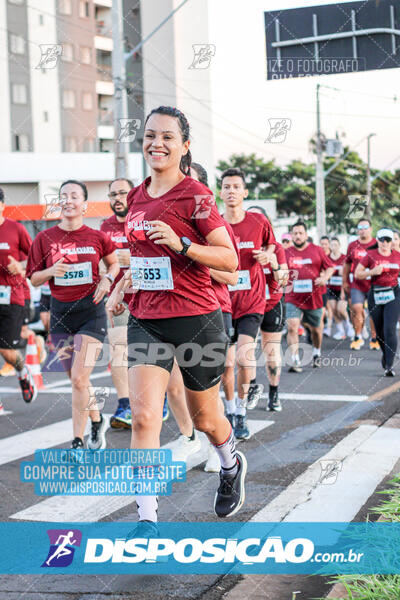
point(336, 300)
point(382, 264)
point(173, 245)
point(67, 256)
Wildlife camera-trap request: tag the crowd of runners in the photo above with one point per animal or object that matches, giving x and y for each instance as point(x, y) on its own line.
point(187, 298)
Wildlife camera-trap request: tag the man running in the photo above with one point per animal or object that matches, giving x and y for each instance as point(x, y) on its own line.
point(357, 288)
point(114, 227)
point(310, 270)
point(256, 245)
point(14, 240)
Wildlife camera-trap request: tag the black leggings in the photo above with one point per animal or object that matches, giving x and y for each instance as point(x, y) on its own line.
point(385, 317)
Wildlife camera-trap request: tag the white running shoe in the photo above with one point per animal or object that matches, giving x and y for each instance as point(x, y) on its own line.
point(365, 333)
point(213, 464)
point(186, 447)
point(97, 436)
point(349, 329)
point(327, 331)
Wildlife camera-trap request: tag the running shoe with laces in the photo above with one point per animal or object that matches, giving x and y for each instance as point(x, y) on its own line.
point(231, 493)
point(357, 343)
point(186, 447)
point(76, 453)
point(213, 464)
point(122, 418)
point(28, 387)
point(389, 373)
point(316, 362)
point(97, 438)
point(274, 404)
point(296, 366)
point(241, 430)
point(327, 331)
point(374, 344)
point(7, 370)
point(254, 395)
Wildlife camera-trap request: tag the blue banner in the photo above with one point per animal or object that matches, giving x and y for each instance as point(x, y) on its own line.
point(200, 548)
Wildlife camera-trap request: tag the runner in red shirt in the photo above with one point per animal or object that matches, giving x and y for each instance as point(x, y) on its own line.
point(176, 235)
point(114, 227)
point(382, 264)
point(310, 268)
point(14, 240)
point(326, 314)
point(256, 245)
point(68, 256)
point(358, 289)
point(336, 298)
point(274, 319)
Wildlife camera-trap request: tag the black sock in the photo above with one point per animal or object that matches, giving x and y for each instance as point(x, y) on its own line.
point(253, 381)
point(124, 402)
point(373, 339)
point(273, 388)
point(191, 438)
point(98, 422)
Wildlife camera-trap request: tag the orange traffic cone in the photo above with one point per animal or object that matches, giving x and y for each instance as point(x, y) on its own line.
point(32, 362)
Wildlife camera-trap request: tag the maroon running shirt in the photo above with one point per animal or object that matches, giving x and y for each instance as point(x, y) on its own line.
point(391, 267)
point(273, 291)
point(221, 289)
point(305, 266)
point(336, 280)
point(173, 285)
point(116, 232)
point(81, 249)
point(355, 252)
point(248, 296)
point(14, 239)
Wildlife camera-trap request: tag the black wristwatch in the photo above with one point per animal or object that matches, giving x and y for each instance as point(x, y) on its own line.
point(186, 243)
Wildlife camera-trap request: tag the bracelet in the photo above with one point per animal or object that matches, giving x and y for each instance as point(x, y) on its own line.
point(278, 269)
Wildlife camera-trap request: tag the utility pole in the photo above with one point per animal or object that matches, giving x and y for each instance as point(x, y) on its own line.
point(319, 177)
point(121, 147)
point(369, 181)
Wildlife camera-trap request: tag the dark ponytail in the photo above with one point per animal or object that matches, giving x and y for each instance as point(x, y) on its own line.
point(170, 111)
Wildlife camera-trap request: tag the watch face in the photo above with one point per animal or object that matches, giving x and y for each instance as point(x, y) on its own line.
point(186, 241)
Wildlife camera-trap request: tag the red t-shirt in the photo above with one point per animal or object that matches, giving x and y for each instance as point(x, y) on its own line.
point(116, 232)
point(221, 289)
point(391, 267)
point(253, 232)
point(305, 266)
point(173, 284)
point(336, 280)
point(355, 252)
point(82, 249)
point(273, 291)
point(14, 239)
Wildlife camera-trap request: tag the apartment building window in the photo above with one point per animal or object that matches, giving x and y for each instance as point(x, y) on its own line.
point(21, 142)
point(19, 93)
point(86, 55)
point(65, 7)
point(70, 144)
point(68, 99)
point(83, 8)
point(87, 101)
point(17, 44)
point(67, 52)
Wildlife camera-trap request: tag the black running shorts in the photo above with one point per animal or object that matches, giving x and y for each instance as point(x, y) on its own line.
point(274, 319)
point(247, 325)
point(11, 321)
point(199, 344)
point(81, 316)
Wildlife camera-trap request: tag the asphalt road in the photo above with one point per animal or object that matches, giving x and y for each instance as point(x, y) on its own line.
point(321, 407)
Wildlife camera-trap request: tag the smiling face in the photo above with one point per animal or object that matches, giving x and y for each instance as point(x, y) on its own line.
point(163, 146)
point(72, 201)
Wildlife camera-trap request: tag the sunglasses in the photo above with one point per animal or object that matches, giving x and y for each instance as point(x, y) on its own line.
point(366, 226)
point(385, 239)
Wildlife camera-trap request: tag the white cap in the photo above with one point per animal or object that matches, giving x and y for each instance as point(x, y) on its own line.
point(384, 232)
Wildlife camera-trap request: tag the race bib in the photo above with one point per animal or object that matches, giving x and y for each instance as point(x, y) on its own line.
point(383, 296)
point(267, 294)
point(351, 277)
point(154, 273)
point(302, 286)
point(5, 294)
point(243, 282)
point(77, 274)
point(336, 280)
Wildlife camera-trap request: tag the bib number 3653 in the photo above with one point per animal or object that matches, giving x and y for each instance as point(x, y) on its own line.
point(153, 273)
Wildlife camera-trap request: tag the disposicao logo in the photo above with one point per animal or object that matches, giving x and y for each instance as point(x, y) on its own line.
point(62, 547)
